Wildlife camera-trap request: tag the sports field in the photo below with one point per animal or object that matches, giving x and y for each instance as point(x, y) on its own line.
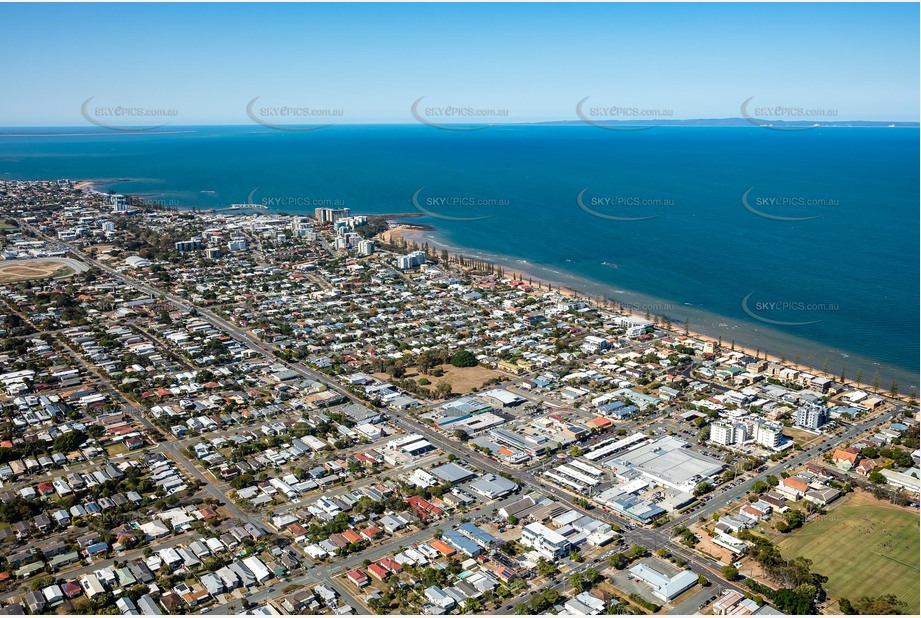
point(865, 547)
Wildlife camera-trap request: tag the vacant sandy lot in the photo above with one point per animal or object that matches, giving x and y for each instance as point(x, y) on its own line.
point(465, 379)
point(462, 379)
point(15, 271)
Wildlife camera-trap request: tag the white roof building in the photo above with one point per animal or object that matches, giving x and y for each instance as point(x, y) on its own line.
point(663, 586)
point(258, 568)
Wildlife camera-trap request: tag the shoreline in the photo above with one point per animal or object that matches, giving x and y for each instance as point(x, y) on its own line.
point(94, 185)
point(416, 232)
point(411, 233)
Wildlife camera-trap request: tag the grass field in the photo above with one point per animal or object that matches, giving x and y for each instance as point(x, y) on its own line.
point(865, 548)
point(116, 449)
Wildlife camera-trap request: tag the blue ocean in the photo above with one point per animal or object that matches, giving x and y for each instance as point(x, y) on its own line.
point(803, 244)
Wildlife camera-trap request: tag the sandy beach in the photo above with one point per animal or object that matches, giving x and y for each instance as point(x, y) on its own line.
point(541, 285)
point(407, 232)
point(93, 185)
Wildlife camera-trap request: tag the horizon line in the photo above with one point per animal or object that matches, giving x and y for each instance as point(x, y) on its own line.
point(577, 122)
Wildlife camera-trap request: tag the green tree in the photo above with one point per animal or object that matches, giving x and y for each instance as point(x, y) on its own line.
point(69, 442)
point(592, 576)
point(702, 488)
point(759, 487)
point(545, 567)
point(464, 358)
point(442, 389)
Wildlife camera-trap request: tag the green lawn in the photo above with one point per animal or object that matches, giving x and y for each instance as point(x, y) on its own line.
point(864, 550)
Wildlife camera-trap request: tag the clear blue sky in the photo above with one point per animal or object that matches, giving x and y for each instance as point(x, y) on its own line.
point(537, 61)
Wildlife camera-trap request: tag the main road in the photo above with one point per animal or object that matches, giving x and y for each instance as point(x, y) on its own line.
point(325, 572)
point(650, 538)
point(646, 537)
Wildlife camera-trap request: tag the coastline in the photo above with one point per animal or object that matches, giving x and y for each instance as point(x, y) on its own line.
point(587, 289)
point(95, 185)
point(404, 231)
point(542, 283)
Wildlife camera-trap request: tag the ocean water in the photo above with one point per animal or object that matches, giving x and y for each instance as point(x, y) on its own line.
point(803, 244)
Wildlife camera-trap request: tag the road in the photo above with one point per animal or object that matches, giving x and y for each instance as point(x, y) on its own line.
point(77, 267)
point(650, 538)
point(77, 570)
point(720, 500)
point(325, 572)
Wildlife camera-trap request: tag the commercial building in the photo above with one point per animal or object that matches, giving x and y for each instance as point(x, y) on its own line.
point(667, 462)
point(903, 480)
point(546, 542)
point(452, 473)
point(623, 501)
point(501, 398)
point(492, 486)
point(477, 535)
point(663, 586)
point(533, 446)
point(461, 543)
